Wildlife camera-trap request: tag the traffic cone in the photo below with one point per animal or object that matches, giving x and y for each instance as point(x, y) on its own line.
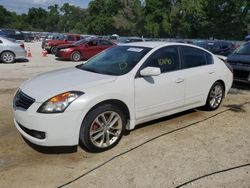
point(44, 53)
point(29, 53)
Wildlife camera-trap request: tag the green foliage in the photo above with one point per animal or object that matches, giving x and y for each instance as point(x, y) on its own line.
point(222, 19)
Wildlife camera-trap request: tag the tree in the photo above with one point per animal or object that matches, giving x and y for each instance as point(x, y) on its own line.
point(53, 19)
point(227, 18)
point(37, 18)
point(156, 21)
point(100, 16)
point(72, 19)
point(129, 18)
point(187, 18)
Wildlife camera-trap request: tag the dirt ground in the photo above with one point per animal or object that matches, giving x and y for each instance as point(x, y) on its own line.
point(191, 149)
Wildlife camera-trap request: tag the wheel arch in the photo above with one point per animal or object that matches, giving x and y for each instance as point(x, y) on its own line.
point(8, 51)
point(223, 84)
point(116, 102)
point(53, 46)
point(76, 51)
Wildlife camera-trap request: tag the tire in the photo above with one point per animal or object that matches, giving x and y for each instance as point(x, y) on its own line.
point(97, 134)
point(53, 49)
point(76, 56)
point(8, 57)
point(215, 96)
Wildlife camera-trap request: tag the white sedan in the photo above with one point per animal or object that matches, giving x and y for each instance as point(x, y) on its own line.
point(122, 87)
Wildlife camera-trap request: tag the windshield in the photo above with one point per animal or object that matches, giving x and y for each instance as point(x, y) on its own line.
point(79, 42)
point(243, 50)
point(118, 60)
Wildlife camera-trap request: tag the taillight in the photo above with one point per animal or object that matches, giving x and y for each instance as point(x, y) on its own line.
point(229, 66)
point(22, 45)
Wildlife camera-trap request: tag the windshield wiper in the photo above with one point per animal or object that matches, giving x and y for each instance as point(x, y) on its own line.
point(87, 69)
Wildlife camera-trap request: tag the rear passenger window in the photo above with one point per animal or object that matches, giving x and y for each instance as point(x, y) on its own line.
point(92, 43)
point(1, 41)
point(166, 58)
point(209, 58)
point(78, 38)
point(70, 38)
point(193, 57)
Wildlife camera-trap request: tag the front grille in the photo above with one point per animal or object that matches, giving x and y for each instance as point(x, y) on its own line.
point(240, 63)
point(241, 74)
point(23, 101)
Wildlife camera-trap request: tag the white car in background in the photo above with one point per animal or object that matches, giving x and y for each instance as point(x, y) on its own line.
point(11, 50)
point(126, 85)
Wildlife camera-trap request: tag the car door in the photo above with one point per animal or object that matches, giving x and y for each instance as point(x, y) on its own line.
point(199, 72)
point(90, 49)
point(70, 39)
point(164, 93)
point(104, 44)
point(1, 46)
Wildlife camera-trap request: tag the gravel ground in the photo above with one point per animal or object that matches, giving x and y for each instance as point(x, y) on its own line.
point(191, 149)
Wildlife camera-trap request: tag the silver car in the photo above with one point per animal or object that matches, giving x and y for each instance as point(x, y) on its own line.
point(11, 50)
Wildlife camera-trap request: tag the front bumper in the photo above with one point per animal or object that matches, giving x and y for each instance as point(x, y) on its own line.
point(63, 54)
point(60, 129)
point(47, 47)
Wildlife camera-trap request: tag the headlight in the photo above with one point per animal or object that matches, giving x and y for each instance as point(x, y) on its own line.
point(64, 50)
point(59, 103)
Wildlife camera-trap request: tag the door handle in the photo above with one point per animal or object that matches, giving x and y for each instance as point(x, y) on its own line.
point(211, 72)
point(179, 80)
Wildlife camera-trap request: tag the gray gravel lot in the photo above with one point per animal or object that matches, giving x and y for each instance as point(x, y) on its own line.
point(211, 148)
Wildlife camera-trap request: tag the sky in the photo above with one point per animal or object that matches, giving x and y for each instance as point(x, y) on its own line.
point(22, 6)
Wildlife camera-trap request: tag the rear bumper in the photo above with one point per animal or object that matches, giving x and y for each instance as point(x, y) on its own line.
point(20, 54)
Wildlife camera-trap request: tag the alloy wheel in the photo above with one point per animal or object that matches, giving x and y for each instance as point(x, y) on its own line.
point(105, 129)
point(216, 96)
point(8, 57)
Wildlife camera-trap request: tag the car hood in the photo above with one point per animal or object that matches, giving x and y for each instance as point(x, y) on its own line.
point(238, 58)
point(47, 85)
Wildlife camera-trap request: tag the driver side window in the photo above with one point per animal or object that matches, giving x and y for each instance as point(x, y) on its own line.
point(166, 58)
point(92, 43)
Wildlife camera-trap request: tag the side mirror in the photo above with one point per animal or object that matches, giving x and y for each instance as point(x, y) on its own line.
point(150, 71)
point(65, 40)
point(86, 45)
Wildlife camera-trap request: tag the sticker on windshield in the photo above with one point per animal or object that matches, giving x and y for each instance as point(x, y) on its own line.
point(135, 49)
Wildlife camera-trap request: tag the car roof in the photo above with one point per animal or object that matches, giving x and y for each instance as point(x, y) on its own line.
point(154, 44)
point(148, 44)
point(6, 40)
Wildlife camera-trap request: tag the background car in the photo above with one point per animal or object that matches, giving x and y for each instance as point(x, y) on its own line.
point(29, 36)
point(129, 39)
point(240, 61)
point(10, 51)
point(247, 38)
point(52, 44)
point(12, 34)
point(216, 47)
point(126, 85)
point(83, 49)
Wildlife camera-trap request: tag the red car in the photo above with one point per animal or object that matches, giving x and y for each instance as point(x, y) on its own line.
point(51, 45)
point(83, 49)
